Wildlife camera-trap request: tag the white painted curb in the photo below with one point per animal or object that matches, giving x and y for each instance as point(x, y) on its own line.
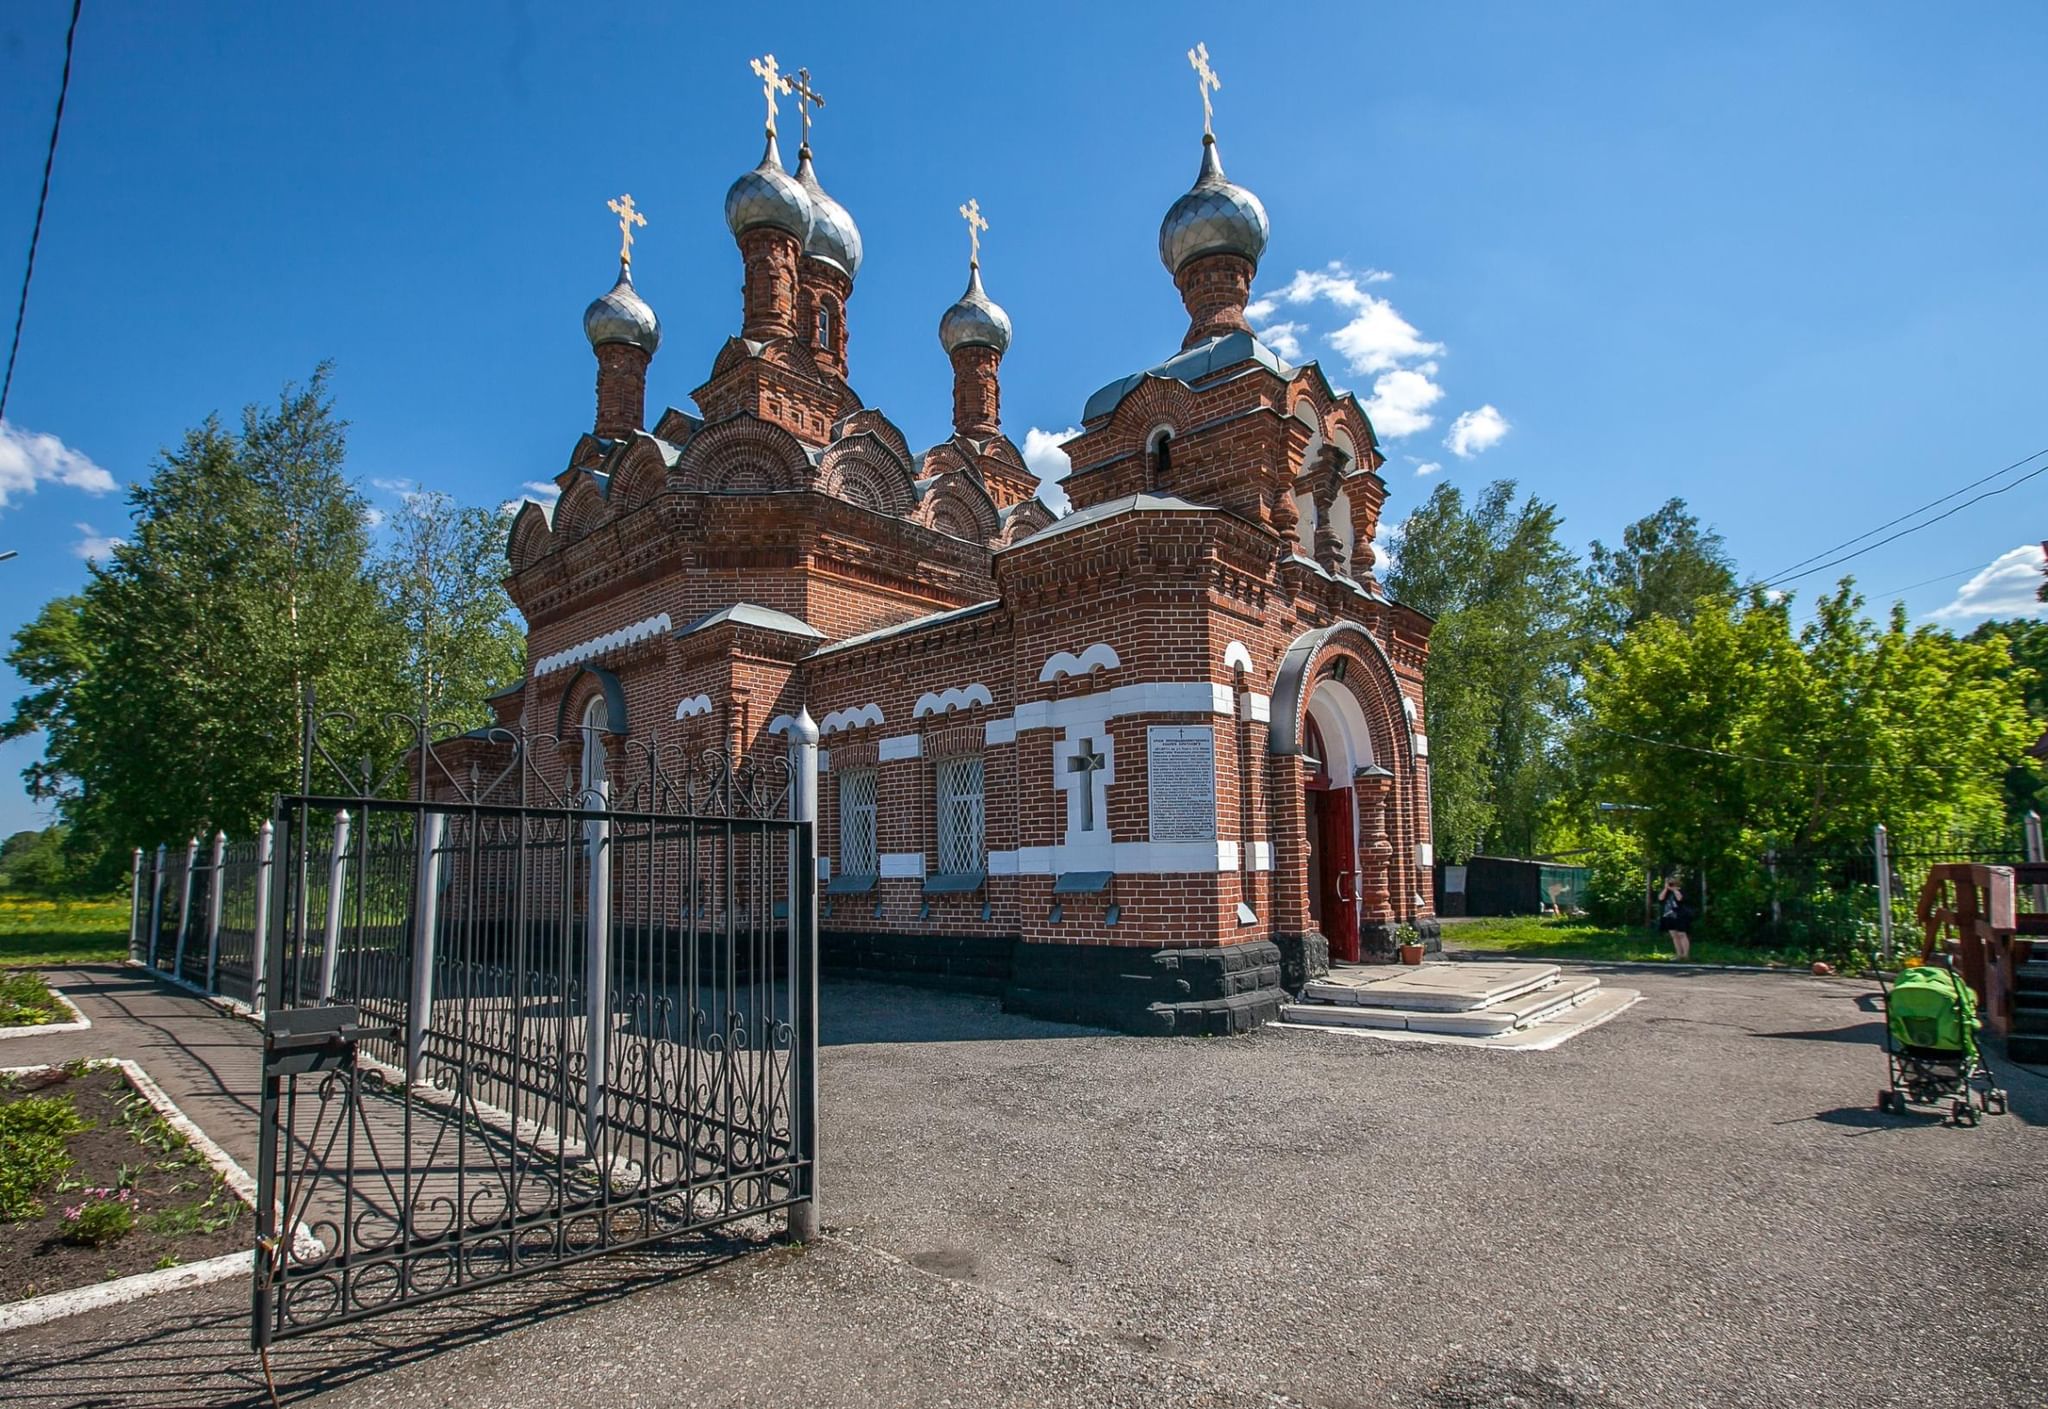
point(79, 1021)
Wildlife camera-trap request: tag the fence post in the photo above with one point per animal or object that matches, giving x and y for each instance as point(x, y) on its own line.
point(597, 925)
point(214, 891)
point(2035, 853)
point(135, 907)
point(1880, 847)
point(803, 973)
point(330, 949)
point(185, 909)
point(260, 961)
point(426, 920)
point(156, 904)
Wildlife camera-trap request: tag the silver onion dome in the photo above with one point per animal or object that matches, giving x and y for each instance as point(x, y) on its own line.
point(1217, 216)
point(622, 316)
point(768, 196)
point(975, 320)
point(834, 237)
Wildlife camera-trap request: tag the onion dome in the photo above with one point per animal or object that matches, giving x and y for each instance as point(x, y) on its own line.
point(1217, 216)
point(768, 196)
point(976, 320)
point(834, 237)
point(622, 316)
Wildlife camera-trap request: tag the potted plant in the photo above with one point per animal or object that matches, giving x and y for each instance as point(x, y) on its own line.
point(1410, 940)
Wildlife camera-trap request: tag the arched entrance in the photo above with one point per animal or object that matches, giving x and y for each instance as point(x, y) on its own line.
point(1335, 737)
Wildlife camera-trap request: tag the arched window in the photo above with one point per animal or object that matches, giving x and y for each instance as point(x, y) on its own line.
point(824, 325)
point(596, 724)
point(1161, 456)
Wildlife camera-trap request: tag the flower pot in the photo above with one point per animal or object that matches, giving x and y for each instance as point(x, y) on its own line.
point(1411, 953)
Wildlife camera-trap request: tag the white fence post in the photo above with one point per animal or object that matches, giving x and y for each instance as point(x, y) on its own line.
point(330, 951)
point(597, 927)
point(214, 895)
point(135, 907)
point(2035, 853)
point(1880, 848)
point(185, 909)
point(426, 923)
point(156, 904)
point(260, 961)
point(803, 974)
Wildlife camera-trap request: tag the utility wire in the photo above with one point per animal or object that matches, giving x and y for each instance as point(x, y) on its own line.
point(1930, 581)
point(1925, 523)
point(1910, 513)
point(42, 202)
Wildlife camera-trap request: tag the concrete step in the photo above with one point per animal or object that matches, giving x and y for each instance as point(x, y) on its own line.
point(1504, 1015)
point(2029, 1047)
point(1554, 1027)
point(1430, 988)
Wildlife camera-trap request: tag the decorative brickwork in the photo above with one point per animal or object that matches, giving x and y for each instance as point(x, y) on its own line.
point(977, 394)
point(621, 389)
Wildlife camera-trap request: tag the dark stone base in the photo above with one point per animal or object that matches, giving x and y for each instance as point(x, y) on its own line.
point(1157, 992)
point(1377, 945)
point(966, 964)
point(1302, 957)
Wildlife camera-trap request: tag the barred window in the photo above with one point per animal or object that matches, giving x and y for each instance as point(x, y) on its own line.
point(857, 822)
point(959, 806)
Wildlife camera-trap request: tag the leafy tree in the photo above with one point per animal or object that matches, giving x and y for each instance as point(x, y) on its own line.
point(1743, 737)
point(2026, 643)
point(35, 861)
point(1667, 565)
point(170, 690)
point(1506, 594)
point(443, 580)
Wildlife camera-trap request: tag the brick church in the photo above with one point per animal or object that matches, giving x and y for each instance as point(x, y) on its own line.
point(1149, 764)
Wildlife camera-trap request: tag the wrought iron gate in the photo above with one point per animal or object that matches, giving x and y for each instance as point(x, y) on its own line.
point(516, 1024)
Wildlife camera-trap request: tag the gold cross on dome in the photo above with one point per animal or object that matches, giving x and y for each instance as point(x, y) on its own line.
point(629, 216)
point(807, 98)
point(976, 223)
point(772, 82)
point(1207, 81)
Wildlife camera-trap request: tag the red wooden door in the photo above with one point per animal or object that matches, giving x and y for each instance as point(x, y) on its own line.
point(1339, 873)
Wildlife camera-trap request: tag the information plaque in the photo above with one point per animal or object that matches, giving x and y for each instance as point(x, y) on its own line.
point(1181, 782)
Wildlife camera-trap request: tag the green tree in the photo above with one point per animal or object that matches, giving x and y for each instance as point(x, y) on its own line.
point(1667, 565)
point(443, 580)
point(1506, 595)
point(2026, 644)
point(35, 861)
point(170, 690)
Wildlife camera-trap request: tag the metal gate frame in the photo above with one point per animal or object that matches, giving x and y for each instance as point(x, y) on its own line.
point(513, 1026)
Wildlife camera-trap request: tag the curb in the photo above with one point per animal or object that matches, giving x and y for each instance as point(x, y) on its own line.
point(1672, 966)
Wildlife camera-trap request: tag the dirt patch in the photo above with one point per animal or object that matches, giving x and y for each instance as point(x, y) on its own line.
point(182, 1211)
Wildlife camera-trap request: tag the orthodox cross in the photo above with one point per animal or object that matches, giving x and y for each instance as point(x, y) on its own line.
point(971, 213)
point(807, 98)
point(1207, 81)
point(772, 82)
point(629, 216)
point(1083, 763)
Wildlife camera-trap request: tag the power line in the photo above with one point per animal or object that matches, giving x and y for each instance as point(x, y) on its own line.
point(1930, 581)
point(1910, 513)
point(42, 201)
point(1925, 523)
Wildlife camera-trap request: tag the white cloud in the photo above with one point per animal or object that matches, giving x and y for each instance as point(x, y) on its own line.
point(1284, 338)
point(1475, 431)
point(372, 518)
point(94, 546)
point(1377, 338)
point(541, 491)
point(2004, 589)
point(1425, 468)
point(1260, 309)
point(1400, 401)
point(29, 458)
point(394, 486)
point(1043, 455)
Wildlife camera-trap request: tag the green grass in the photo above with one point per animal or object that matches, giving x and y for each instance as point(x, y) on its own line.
point(1534, 937)
point(35, 931)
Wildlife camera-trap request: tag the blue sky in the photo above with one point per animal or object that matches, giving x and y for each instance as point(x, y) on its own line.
point(1784, 261)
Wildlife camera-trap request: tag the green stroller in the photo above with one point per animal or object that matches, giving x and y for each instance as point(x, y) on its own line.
point(1930, 1035)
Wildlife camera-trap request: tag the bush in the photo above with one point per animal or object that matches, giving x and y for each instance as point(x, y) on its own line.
point(1615, 879)
point(25, 1001)
point(103, 1216)
point(32, 1153)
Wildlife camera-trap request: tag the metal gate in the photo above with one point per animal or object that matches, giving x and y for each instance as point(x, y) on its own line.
point(516, 1024)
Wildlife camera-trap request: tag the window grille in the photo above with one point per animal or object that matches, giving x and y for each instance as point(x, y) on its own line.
point(857, 822)
point(960, 813)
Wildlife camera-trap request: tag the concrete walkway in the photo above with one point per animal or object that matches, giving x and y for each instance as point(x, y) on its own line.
point(1693, 1205)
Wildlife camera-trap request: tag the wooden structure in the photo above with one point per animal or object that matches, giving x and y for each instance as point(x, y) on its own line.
point(1992, 937)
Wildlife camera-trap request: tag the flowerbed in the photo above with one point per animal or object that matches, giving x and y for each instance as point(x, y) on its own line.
point(95, 1184)
point(26, 1001)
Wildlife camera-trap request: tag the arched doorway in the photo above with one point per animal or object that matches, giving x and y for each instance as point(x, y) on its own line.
point(1334, 736)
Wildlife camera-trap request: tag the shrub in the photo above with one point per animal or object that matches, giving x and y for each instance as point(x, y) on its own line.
point(32, 1153)
point(103, 1216)
point(1614, 883)
point(25, 1001)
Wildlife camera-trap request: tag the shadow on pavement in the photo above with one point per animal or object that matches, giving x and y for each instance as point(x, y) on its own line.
point(1871, 1033)
point(853, 1012)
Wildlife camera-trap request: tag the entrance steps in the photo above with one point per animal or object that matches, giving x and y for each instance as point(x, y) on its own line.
point(1522, 1007)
